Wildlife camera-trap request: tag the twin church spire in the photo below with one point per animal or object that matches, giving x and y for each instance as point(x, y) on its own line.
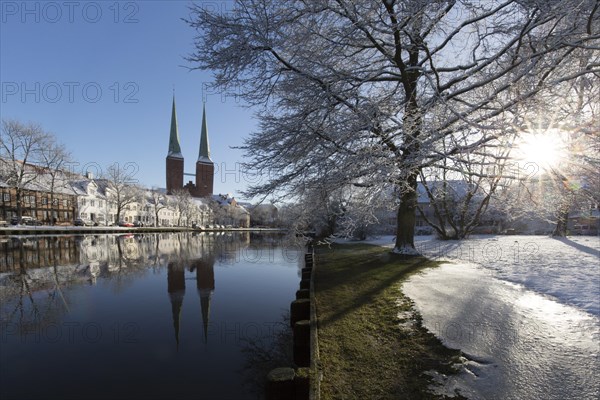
point(203, 187)
point(174, 146)
point(204, 154)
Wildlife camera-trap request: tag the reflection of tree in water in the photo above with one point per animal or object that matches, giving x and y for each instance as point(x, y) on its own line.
point(127, 266)
point(234, 247)
point(39, 271)
point(31, 305)
point(227, 247)
point(262, 354)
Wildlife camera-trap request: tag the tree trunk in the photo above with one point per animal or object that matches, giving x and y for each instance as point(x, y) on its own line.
point(563, 210)
point(405, 224)
point(52, 222)
point(561, 224)
point(18, 199)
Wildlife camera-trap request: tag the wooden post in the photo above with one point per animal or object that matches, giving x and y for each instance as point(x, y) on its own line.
point(280, 384)
point(302, 382)
point(302, 343)
point(305, 284)
point(299, 310)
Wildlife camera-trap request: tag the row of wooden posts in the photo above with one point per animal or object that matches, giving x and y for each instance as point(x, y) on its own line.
point(288, 383)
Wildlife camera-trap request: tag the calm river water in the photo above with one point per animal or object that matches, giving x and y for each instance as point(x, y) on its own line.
point(150, 316)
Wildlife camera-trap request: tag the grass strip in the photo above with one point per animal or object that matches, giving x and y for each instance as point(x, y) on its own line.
point(371, 341)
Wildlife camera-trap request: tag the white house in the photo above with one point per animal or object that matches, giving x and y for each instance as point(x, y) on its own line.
point(92, 202)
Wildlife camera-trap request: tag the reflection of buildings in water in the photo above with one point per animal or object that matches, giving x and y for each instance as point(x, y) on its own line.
point(60, 261)
point(117, 251)
point(37, 252)
point(87, 258)
point(205, 284)
point(94, 271)
point(130, 249)
point(176, 289)
point(228, 247)
point(78, 260)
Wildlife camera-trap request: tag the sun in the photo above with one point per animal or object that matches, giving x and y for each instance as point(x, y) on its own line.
point(544, 149)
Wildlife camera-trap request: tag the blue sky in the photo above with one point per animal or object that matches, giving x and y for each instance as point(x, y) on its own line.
point(100, 76)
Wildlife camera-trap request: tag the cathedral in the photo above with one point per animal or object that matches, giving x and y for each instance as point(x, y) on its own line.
point(203, 185)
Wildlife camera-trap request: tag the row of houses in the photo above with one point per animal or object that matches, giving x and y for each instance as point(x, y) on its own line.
point(62, 199)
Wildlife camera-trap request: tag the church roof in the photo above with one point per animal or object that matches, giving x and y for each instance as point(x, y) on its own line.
point(204, 154)
point(174, 147)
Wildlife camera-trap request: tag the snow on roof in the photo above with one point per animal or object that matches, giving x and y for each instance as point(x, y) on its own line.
point(199, 201)
point(223, 199)
point(65, 182)
point(264, 206)
point(457, 187)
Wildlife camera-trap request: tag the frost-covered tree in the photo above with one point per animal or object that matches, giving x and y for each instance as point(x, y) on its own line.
point(560, 170)
point(122, 189)
point(54, 158)
point(363, 92)
point(461, 188)
point(21, 148)
point(158, 201)
point(552, 192)
point(182, 201)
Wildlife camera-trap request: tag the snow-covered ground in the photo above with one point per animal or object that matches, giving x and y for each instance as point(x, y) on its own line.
point(525, 311)
point(518, 344)
point(567, 269)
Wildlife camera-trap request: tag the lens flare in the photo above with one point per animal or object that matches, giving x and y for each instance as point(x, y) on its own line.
point(545, 149)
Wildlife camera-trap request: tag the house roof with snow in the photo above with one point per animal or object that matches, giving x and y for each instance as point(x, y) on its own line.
point(228, 200)
point(458, 188)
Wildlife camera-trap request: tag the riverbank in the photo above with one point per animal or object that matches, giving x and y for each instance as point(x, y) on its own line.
point(96, 230)
point(371, 341)
point(523, 310)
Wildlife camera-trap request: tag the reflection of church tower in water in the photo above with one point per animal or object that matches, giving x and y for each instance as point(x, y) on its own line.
point(205, 283)
point(198, 257)
point(176, 289)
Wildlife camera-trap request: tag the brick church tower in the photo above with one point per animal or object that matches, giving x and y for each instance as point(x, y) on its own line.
point(174, 157)
point(205, 168)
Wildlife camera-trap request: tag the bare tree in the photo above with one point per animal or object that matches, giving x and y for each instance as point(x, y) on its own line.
point(158, 201)
point(182, 200)
point(219, 211)
point(363, 91)
point(461, 187)
point(121, 187)
point(54, 157)
point(570, 112)
point(21, 147)
point(551, 193)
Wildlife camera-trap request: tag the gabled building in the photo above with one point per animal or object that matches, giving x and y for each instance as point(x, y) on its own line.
point(92, 204)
